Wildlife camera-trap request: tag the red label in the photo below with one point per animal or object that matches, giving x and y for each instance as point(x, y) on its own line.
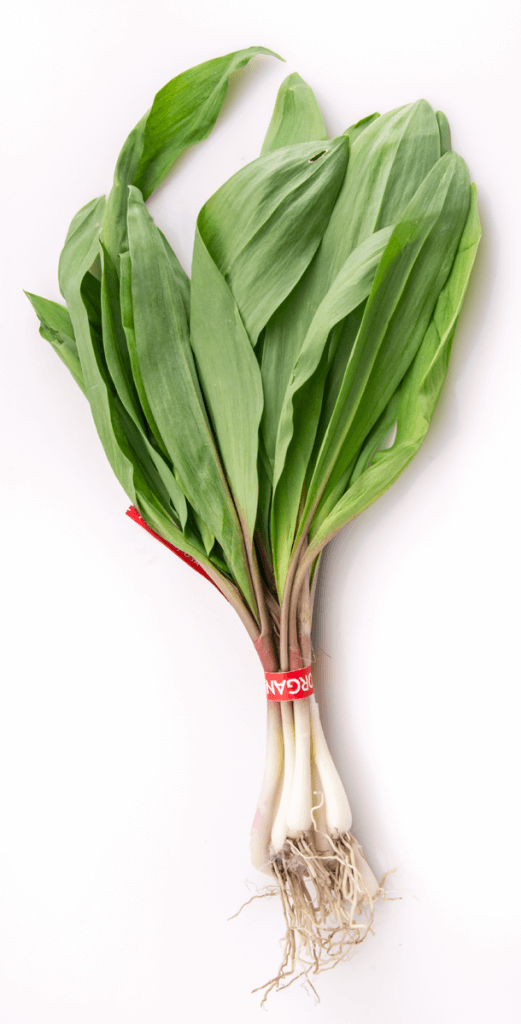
point(294, 685)
point(137, 518)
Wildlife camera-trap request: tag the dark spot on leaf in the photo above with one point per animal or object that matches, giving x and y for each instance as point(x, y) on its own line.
point(317, 156)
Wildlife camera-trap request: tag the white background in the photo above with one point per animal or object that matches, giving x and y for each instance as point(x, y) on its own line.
point(132, 708)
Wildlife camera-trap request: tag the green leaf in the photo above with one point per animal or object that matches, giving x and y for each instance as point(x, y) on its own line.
point(444, 128)
point(154, 515)
point(418, 394)
point(263, 226)
point(387, 163)
point(230, 378)
point(375, 439)
point(323, 305)
point(124, 445)
point(207, 537)
point(149, 467)
point(115, 224)
point(412, 272)
point(79, 252)
point(183, 112)
point(172, 390)
point(341, 344)
point(429, 370)
point(296, 117)
point(356, 129)
point(91, 295)
point(182, 280)
point(263, 525)
point(127, 320)
point(56, 328)
point(115, 336)
point(303, 400)
point(115, 342)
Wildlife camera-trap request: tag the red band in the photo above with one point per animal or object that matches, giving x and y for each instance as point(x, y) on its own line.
point(294, 685)
point(137, 518)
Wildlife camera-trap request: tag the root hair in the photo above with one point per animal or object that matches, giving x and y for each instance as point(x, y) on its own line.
point(327, 904)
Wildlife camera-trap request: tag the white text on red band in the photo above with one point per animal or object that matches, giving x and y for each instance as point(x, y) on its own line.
point(289, 688)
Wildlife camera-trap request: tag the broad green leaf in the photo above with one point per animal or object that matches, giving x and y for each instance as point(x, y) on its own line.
point(84, 225)
point(149, 467)
point(263, 226)
point(56, 328)
point(389, 160)
point(156, 517)
point(387, 163)
point(207, 537)
point(324, 301)
point(157, 450)
point(263, 526)
point(429, 370)
point(296, 117)
point(91, 295)
point(375, 439)
point(356, 129)
point(170, 381)
point(115, 342)
point(115, 223)
point(128, 452)
point(444, 128)
point(181, 279)
point(79, 252)
point(303, 400)
point(412, 272)
point(119, 366)
point(340, 347)
point(183, 112)
point(127, 321)
point(418, 394)
point(230, 378)
point(216, 556)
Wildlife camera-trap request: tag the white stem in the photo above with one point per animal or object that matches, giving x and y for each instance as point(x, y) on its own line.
point(338, 812)
point(271, 785)
point(279, 828)
point(298, 817)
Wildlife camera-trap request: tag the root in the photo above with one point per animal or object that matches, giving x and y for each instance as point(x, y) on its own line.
point(328, 906)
